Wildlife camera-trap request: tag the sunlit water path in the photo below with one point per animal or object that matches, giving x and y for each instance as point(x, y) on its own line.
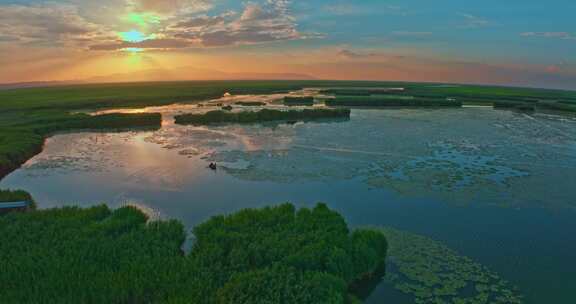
point(496, 186)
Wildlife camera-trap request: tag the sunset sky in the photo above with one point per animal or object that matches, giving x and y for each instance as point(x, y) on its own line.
point(513, 42)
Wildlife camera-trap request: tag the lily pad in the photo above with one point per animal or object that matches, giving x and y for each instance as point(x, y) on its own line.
point(431, 272)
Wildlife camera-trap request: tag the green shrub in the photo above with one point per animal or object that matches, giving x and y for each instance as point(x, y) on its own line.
point(283, 285)
point(97, 255)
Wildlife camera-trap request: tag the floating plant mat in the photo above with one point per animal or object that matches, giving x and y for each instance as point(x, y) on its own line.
point(494, 158)
point(80, 152)
point(458, 170)
point(431, 272)
point(453, 170)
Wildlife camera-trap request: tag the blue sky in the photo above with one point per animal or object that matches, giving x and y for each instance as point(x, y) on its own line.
point(475, 29)
point(534, 40)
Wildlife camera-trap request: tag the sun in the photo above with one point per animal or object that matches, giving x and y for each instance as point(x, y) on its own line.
point(133, 36)
point(141, 25)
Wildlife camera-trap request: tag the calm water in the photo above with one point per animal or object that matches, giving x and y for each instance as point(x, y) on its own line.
point(496, 186)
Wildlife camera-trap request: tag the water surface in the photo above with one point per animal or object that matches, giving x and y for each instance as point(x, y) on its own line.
point(496, 186)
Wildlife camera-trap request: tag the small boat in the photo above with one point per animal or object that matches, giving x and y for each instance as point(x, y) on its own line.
point(213, 166)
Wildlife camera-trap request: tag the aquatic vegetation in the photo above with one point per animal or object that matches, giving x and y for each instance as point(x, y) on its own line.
point(516, 105)
point(534, 105)
point(250, 103)
point(218, 116)
point(565, 106)
point(98, 255)
point(433, 273)
point(15, 196)
point(280, 165)
point(368, 91)
point(64, 163)
point(299, 101)
point(376, 101)
point(20, 142)
point(449, 168)
point(347, 92)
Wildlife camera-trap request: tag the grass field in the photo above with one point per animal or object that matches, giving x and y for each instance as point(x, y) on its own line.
point(148, 94)
point(145, 94)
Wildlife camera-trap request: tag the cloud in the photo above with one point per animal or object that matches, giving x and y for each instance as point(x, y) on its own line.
point(202, 21)
point(411, 34)
point(474, 22)
point(176, 24)
point(562, 66)
point(8, 38)
point(342, 9)
point(172, 6)
point(553, 68)
point(46, 25)
point(353, 55)
point(557, 35)
point(257, 23)
point(348, 54)
point(349, 9)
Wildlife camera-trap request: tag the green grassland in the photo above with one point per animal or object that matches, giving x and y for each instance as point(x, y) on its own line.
point(221, 116)
point(270, 255)
point(146, 94)
point(161, 93)
point(422, 95)
point(492, 92)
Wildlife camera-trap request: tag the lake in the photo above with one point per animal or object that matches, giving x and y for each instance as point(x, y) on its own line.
point(495, 186)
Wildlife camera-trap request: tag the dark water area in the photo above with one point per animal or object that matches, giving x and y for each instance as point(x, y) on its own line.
point(494, 186)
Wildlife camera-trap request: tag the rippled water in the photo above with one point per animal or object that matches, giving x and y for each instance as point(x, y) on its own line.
point(496, 186)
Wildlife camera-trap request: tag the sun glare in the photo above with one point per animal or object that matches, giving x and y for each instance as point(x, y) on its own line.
point(142, 19)
point(134, 50)
point(133, 36)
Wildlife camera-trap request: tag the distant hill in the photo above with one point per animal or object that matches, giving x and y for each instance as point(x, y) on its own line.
point(191, 73)
point(180, 74)
point(35, 84)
